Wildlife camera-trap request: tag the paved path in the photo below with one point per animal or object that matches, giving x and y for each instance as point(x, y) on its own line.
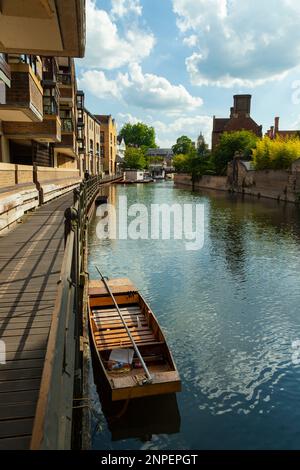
point(30, 264)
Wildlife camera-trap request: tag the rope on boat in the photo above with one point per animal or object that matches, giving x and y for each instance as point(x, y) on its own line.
point(149, 379)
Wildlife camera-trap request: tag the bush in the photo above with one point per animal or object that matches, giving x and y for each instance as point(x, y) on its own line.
point(276, 154)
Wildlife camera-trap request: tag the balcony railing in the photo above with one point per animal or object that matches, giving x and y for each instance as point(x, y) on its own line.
point(50, 69)
point(67, 124)
point(50, 106)
point(80, 100)
point(64, 78)
point(5, 69)
point(81, 148)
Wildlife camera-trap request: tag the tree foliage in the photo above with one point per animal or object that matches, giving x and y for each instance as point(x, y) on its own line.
point(181, 163)
point(183, 146)
point(276, 154)
point(230, 143)
point(138, 135)
point(196, 162)
point(134, 159)
point(202, 147)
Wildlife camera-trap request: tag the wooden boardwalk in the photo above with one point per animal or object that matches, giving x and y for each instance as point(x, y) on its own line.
point(30, 264)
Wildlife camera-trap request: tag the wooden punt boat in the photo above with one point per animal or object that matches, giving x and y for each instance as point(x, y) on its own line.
point(109, 336)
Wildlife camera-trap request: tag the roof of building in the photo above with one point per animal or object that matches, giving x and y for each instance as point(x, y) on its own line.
point(288, 133)
point(159, 152)
point(242, 122)
point(95, 118)
point(104, 118)
point(249, 165)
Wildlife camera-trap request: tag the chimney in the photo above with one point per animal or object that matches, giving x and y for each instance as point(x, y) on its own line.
point(231, 111)
point(272, 132)
point(242, 105)
point(276, 126)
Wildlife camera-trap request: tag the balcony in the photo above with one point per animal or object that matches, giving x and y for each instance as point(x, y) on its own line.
point(49, 130)
point(50, 71)
point(81, 147)
point(67, 145)
point(80, 100)
point(66, 88)
point(5, 75)
point(24, 99)
point(64, 79)
point(46, 28)
point(50, 105)
point(67, 125)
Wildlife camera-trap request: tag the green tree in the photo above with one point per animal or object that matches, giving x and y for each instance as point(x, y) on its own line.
point(181, 163)
point(183, 146)
point(138, 135)
point(201, 164)
point(134, 159)
point(202, 147)
point(230, 143)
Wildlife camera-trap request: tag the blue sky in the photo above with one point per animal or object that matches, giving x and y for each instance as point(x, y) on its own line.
point(175, 63)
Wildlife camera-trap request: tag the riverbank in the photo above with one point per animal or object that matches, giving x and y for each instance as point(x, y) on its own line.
point(280, 185)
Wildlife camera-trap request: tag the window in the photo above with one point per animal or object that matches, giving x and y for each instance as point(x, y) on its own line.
point(50, 101)
point(102, 137)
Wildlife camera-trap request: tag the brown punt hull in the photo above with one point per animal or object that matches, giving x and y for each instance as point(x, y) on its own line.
point(108, 334)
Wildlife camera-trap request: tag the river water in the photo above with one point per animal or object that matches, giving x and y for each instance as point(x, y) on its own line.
point(231, 314)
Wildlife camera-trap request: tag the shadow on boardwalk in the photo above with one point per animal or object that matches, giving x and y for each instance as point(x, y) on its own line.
point(30, 265)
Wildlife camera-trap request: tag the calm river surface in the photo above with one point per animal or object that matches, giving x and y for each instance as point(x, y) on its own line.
point(230, 311)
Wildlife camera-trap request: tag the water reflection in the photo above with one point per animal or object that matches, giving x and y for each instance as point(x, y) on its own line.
point(230, 312)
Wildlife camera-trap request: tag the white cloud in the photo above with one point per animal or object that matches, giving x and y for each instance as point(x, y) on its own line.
point(121, 8)
point(190, 41)
point(243, 43)
point(151, 91)
point(106, 47)
point(147, 91)
point(96, 83)
point(127, 117)
point(167, 133)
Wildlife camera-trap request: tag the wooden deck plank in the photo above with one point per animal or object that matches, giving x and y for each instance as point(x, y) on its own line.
point(24, 396)
point(125, 344)
point(15, 443)
point(16, 411)
point(22, 364)
point(34, 373)
point(30, 264)
point(23, 384)
point(16, 427)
